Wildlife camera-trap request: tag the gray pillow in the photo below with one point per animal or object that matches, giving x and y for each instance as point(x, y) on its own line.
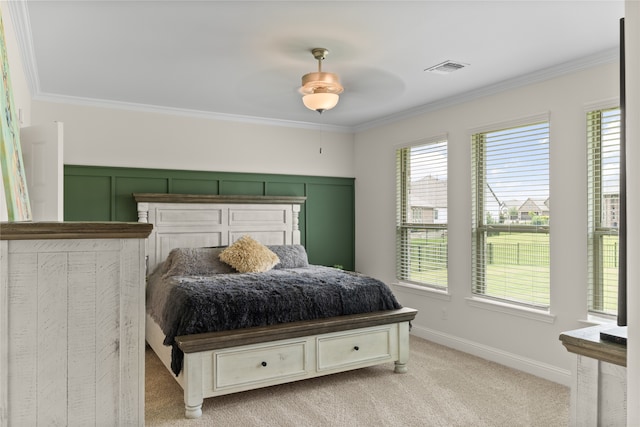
point(291, 256)
point(196, 262)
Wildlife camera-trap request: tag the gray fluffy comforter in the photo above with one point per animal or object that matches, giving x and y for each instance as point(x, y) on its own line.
point(184, 305)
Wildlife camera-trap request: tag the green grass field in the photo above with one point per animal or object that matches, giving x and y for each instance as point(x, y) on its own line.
point(512, 260)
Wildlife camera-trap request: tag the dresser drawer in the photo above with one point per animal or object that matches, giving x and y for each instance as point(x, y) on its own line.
point(354, 348)
point(259, 364)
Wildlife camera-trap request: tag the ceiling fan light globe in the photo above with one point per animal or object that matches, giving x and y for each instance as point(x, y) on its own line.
point(320, 101)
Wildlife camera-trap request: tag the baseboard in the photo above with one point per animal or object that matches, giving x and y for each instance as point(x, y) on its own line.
point(515, 361)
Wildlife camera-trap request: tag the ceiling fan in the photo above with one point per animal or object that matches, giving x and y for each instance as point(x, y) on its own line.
point(320, 89)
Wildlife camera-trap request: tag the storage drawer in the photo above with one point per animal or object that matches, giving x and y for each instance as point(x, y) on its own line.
point(353, 348)
point(259, 364)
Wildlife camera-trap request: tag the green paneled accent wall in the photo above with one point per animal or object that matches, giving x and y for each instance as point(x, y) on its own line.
point(327, 219)
point(93, 193)
point(194, 186)
point(241, 188)
point(323, 203)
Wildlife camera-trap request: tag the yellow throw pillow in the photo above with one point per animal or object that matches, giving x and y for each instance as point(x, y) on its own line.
point(249, 256)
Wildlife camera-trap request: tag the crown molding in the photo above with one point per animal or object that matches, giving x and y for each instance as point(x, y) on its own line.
point(146, 108)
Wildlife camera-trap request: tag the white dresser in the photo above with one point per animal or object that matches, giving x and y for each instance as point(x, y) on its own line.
point(599, 386)
point(72, 324)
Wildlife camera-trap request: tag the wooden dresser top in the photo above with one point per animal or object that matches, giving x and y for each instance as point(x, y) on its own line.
point(73, 230)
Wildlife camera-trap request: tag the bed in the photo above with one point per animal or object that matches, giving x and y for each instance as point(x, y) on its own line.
point(208, 360)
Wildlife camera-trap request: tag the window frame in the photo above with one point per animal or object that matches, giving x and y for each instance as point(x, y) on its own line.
point(597, 231)
point(481, 229)
point(403, 210)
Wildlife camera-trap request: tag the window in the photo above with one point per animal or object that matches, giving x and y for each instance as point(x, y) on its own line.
point(421, 232)
point(510, 229)
point(603, 138)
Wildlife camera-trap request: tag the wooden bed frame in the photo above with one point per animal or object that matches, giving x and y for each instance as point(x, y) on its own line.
point(226, 362)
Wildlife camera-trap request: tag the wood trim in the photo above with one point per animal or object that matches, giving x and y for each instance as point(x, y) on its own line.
point(223, 339)
point(74, 230)
point(586, 342)
point(215, 198)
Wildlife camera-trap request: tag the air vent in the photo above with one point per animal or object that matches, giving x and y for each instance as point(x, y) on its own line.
point(446, 67)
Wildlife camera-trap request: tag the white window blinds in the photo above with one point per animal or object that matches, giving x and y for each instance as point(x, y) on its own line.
point(510, 230)
point(603, 135)
point(421, 231)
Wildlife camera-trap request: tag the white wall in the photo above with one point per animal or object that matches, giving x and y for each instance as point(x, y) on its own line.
point(517, 338)
point(21, 93)
point(116, 137)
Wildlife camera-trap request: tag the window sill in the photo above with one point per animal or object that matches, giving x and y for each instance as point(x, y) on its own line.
point(594, 320)
point(511, 309)
point(423, 291)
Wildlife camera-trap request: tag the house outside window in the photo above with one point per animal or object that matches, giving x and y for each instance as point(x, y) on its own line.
point(603, 139)
point(511, 211)
point(421, 229)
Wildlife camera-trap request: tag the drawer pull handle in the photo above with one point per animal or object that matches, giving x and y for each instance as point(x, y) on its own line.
point(264, 363)
point(356, 348)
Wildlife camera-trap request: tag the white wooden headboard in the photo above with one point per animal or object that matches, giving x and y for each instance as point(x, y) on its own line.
point(187, 221)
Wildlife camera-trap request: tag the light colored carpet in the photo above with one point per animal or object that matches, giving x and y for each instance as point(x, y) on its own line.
point(443, 387)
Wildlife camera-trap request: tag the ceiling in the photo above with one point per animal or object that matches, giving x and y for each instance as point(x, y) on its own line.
point(243, 60)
